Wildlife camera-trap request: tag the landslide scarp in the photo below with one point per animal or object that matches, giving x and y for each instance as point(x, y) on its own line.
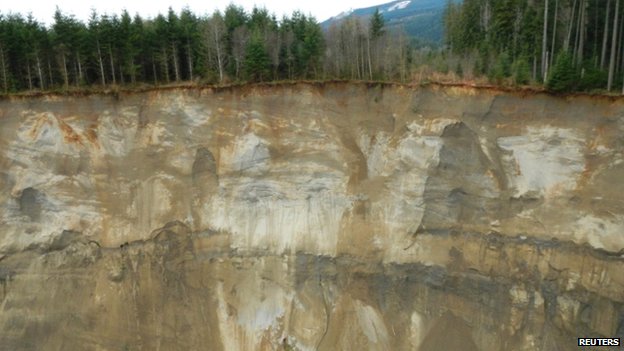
point(310, 216)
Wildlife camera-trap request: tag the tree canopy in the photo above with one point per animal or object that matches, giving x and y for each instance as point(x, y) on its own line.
point(124, 49)
point(554, 40)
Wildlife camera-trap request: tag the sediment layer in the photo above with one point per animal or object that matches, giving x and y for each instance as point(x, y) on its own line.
point(334, 216)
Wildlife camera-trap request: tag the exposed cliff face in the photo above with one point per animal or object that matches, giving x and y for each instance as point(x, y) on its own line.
point(304, 217)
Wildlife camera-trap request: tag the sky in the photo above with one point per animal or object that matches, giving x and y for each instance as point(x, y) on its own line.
point(43, 10)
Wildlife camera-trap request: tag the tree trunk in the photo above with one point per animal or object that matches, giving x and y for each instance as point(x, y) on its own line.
point(189, 59)
point(516, 32)
point(165, 61)
point(547, 67)
point(622, 89)
point(613, 45)
point(220, 64)
point(174, 55)
point(554, 32)
point(534, 75)
point(582, 30)
point(545, 40)
point(50, 72)
point(79, 68)
point(403, 49)
point(363, 55)
point(112, 64)
point(595, 40)
point(363, 60)
point(154, 70)
point(357, 59)
point(485, 19)
point(39, 72)
point(276, 55)
point(577, 34)
point(237, 67)
point(65, 74)
point(370, 64)
point(75, 69)
point(4, 70)
point(566, 43)
point(605, 36)
point(219, 54)
point(101, 61)
point(132, 71)
point(618, 49)
point(30, 85)
point(121, 74)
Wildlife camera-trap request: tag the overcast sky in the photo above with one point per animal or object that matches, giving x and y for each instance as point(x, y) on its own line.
point(43, 10)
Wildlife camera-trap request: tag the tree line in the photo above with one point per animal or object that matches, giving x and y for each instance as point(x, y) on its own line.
point(229, 46)
point(364, 49)
point(565, 44)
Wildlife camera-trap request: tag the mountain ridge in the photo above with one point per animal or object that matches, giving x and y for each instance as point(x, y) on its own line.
point(421, 19)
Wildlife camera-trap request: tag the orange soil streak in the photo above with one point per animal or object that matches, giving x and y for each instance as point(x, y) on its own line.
point(69, 134)
point(243, 88)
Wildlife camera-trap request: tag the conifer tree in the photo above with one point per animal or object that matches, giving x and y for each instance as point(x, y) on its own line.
point(257, 63)
point(563, 76)
point(377, 24)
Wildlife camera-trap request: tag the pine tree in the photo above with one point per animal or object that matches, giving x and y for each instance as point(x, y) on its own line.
point(257, 62)
point(563, 76)
point(502, 68)
point(174, 34)
point(128, 48)
point(377, 24)
point(521, 72)
point(235, 20)
point(95, 40)
point(313, 45)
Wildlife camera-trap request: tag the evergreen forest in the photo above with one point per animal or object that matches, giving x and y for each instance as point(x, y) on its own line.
point(567, 45)
point(562, 45)
point(224, 47)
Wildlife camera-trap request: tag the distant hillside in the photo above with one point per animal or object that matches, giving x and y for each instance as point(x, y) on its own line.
point(421, 19)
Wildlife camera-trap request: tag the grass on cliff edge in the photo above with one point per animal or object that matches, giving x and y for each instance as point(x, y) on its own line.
point(117, 90)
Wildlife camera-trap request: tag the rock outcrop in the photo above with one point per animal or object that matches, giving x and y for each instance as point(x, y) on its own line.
point(335, 216)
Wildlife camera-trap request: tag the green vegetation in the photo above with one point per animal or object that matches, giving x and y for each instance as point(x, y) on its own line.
point(233, 46)
point(563, 76)
point(114, 50)
point(514, 41)
point(503, 42)
point(520, 71)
